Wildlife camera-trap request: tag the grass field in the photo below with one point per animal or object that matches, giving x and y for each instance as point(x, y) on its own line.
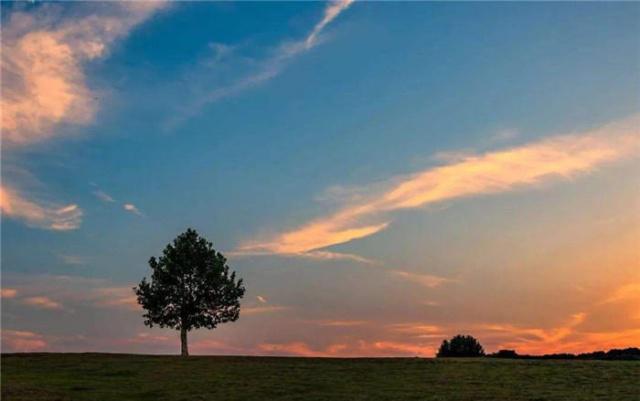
point(104, 377)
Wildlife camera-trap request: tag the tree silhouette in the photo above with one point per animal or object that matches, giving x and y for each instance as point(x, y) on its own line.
point(460, 346)
point(190, 288)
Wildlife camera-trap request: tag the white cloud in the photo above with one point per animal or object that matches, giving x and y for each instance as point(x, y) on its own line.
point(130, 207)
point(103, 196)
point(330, 13)
point(266, 69)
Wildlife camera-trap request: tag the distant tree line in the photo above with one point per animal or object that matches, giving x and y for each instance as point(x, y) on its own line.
point(626, 354)
point(465, 346)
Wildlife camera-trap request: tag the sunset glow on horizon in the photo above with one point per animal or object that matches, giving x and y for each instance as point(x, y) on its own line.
point(381, 175)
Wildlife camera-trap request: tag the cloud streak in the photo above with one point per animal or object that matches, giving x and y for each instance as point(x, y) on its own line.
point(42, 302)
point(426, 280)
point(7, 293)
point(39, 214)
point(22, 341)
point(103, 196)
point(330, 13)
point(494, 172)
point(267, 69)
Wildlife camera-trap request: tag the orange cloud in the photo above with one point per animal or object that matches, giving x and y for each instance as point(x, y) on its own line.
point(624, 293)
point(35, 214)
point(341, 323)
point(427, 280)
point(311, 255)
point(357, 348)
point(22, 341)
point(417, 328)
point(72, 291)
point(42, 302)
point(569, 337)
point(8, 293)
point(293, 348)
point(117, 297)
point(493, 172)
point(263, 309)
point(404, 348)
point(43, 56)
point(147, 338)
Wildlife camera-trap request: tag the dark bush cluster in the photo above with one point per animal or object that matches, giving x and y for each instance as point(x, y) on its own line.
point(460, 346)
point(464, 346)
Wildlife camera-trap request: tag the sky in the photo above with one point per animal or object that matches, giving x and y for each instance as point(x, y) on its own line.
point(381, 175)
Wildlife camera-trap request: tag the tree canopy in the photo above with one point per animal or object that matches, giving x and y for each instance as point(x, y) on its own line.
point(460, 346)
point(191, 287)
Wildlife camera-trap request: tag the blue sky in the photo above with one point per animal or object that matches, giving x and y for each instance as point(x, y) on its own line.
point(252, 121)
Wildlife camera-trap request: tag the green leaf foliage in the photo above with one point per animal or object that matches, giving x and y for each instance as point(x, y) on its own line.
point(190, 286)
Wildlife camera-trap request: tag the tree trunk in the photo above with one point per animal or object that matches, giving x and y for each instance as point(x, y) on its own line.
point(183, 342)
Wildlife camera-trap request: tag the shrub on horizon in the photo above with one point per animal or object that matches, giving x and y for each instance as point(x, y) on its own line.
point(461, 346)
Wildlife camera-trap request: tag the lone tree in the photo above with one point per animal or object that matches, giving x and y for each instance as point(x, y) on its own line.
point(460, 346)
point(190, 288)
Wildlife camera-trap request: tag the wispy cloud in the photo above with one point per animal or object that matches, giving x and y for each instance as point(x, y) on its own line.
point(103, 196)
point(494, 172)
point(43, 57)
point(73, 260)
point(39, 214)
point(7, 293)
point(418, 329)
point(107, 198)
point(42, 302)
point(505, 135)
point(256, 310)
point(330, 13)
point(114, 297)
point(266, 69)
point(563, 338)
point(340, 323)
point(624, 293)
point(22, 341)
point(312, 255)
point(262, 307)
point(44, 53)
point(426, 280)
point(354, 348)
point(71, 292)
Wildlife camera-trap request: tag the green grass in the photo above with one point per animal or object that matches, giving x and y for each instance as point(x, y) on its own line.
point(104, 377)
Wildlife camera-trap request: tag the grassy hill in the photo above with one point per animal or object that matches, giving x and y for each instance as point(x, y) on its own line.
point(104, 377)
